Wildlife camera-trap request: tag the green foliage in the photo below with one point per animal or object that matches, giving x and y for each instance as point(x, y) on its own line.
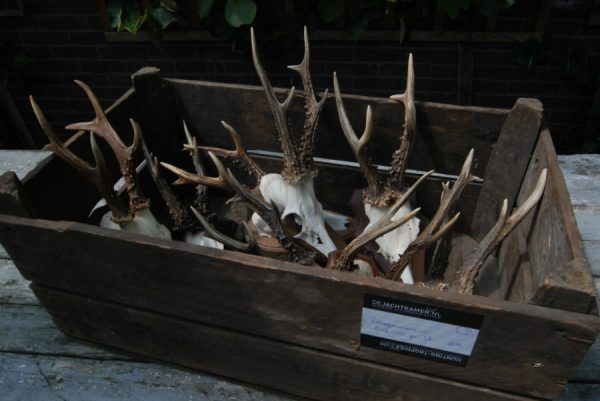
point(225, 17)
point(240, 12)
point(163, 16)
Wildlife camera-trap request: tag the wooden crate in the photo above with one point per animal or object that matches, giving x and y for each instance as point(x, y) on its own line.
point(296, 328)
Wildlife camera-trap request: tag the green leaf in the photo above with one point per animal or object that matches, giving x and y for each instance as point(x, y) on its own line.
point(240, 12)
point(329, 10)
point(133, 22)
point(203, 8)
point(163, 16)
point(453, 7)
point(115, 14)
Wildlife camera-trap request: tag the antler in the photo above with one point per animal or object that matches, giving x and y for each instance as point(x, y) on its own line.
point(400, 157)
point(298, 159)
point(359, 146)
point(381, 227)
point(436, 227)
point(382, 192)
point(96, 175)
point(311, 105)
point(504, 226)
point(239, 155)
point(124, 154)
point(181, 217)
point(269, 213)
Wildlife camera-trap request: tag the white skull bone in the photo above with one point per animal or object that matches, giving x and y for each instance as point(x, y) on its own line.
point(393, 244)
point(298, 202)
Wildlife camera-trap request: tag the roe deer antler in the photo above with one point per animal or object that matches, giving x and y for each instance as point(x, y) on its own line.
point(385, 224)
point(292, 191)
point(97, 175)
point(469, 271)
point(439, 224)
point(124, 154)
point(382, 191)
point(136, 217)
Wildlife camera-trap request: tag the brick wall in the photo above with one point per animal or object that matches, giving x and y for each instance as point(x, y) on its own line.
point(66, 39)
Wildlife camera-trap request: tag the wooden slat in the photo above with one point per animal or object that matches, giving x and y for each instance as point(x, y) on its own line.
point(562, 273)
point(283, 366)
point(445, 133)
point(507, 163)
point(287, 302)
point(157, 111)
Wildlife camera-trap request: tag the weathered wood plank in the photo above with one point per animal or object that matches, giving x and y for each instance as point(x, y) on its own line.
point(446, 133)
point(288, 302)
point(14, 289)
point(507, 162)
point(27, 378)
point(555, 245)
point(157, 111)
point(281, 365)
point(28, 329)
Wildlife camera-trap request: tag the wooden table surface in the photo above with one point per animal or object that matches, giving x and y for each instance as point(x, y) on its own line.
point(37, 362)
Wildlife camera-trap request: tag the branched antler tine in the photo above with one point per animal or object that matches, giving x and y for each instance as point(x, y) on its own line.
point(191, 145)
point(99, 125)
point(384, 225)
point(436, 227)
point(57, 146)
point(278, 109)
point(97, 175)
point(176, 210)
point(503, 227)
point(189, 178)
point(423, 240)
point(448, 199)
point(400, 157)
point(407, 194)
point(219, 236)
point(312, 107)
point(303, 70)
point(358, 145)
point(239, 153)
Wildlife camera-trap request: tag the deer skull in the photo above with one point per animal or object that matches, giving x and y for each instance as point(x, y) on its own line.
point(299, 208)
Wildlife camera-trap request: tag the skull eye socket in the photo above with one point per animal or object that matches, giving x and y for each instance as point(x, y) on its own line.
point(292, 224)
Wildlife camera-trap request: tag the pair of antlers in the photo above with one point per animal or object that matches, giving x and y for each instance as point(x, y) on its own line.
point(98, 174)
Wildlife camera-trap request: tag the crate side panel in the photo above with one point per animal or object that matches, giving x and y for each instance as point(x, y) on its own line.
point(445, 133)
point(507, 163)
point(286, 367)
point(562, 277)
point(280, 300)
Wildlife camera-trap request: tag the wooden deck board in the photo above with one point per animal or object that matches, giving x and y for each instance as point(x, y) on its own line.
point(38, 362)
